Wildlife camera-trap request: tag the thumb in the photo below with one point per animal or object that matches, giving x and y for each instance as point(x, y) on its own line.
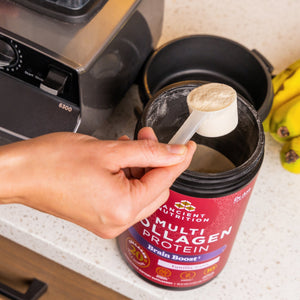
point(156, 182)
point(146, 153)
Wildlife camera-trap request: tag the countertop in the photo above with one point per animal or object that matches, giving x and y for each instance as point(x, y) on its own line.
point(264, 262)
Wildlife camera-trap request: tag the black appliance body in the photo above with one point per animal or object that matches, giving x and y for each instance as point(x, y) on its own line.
point(57, 75)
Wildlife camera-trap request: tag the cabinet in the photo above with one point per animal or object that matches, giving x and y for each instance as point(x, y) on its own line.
point(19, 266)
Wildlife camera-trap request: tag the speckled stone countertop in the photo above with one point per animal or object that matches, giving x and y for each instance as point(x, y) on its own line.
point(264, 262)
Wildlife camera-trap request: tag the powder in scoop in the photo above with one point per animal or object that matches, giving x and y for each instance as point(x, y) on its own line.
point(216, 103)
point(211, 97)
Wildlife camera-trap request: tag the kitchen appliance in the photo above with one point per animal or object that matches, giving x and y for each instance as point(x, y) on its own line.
point(74, 11)
point(64, 65)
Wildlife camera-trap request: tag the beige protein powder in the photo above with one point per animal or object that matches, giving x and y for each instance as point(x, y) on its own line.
point(218, 102)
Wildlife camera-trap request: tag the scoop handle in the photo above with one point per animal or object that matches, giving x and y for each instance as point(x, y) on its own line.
point(188, 128)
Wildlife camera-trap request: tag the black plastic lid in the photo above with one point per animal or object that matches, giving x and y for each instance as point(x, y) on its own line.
point(213, 59)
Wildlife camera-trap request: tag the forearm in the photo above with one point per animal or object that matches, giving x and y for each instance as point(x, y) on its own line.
point(10, 162)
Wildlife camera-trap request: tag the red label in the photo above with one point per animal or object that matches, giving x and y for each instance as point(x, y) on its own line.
point(187, 241)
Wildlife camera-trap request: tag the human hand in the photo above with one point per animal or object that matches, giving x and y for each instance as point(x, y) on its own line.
point(103, 186)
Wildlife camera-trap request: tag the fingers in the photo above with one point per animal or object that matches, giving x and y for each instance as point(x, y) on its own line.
point(124, 138)
point(153, 205)
point(160, 178)
point(147, 133)
point(152, 189)
point(157, 181)
point(142, 214)
point(142, 153)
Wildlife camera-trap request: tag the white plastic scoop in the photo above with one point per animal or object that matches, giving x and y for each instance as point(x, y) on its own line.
point(213, 112)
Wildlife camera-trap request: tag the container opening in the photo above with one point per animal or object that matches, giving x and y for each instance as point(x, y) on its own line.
point(165, 117)
point(238, 145)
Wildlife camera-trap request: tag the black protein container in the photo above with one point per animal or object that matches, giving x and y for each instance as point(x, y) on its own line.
point(244, 146)
point(187, 241)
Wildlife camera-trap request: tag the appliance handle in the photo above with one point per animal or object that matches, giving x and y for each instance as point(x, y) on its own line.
point(35, 290)
point(264, 60)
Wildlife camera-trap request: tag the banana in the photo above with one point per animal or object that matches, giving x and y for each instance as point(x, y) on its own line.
point(285, 120)
point(290, 155)
point(286, 85)
point(278, 80)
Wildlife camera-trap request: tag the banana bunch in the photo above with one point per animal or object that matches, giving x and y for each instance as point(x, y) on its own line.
point(283, 121)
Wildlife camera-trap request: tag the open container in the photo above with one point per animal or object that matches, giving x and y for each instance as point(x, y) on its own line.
point(187, 241)
point(244, 146)
point(213, 59)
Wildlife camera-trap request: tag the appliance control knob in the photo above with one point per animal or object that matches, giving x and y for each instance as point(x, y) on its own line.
point(55, 82)
point(7, 54)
